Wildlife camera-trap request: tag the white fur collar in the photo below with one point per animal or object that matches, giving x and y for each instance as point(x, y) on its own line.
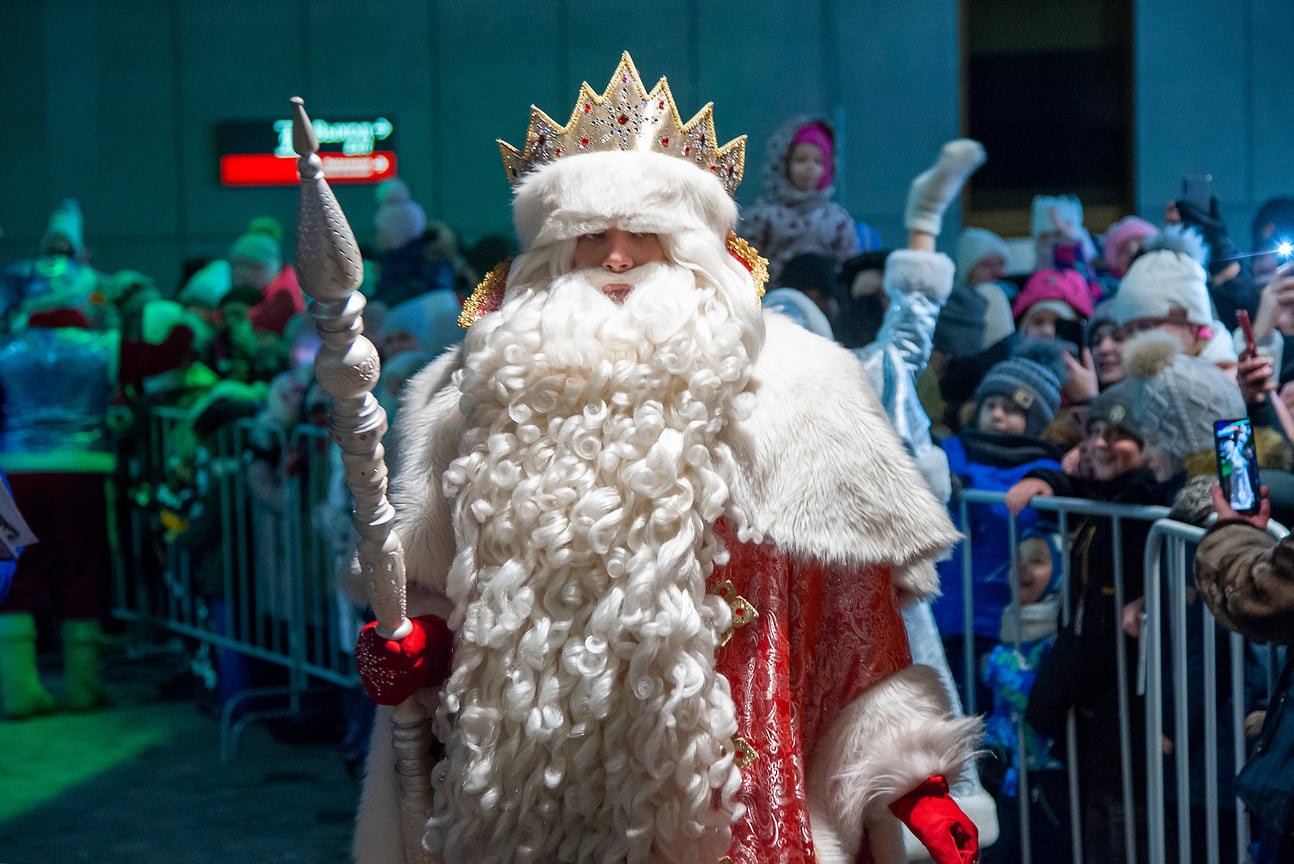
point(825, 476)
point(822, 473)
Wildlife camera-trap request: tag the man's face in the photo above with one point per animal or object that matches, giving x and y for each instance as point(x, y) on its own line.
point(616, 251)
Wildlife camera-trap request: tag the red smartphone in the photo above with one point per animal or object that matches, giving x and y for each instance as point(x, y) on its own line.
point(1246, 327)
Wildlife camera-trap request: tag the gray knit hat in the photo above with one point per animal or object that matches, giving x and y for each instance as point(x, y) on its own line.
point(1175, 398)
point(1031, 378)
point(1116, 405)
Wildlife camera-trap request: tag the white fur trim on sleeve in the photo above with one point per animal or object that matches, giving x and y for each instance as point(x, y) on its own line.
point(909, 271)
point(885, 743)
point(821, 472)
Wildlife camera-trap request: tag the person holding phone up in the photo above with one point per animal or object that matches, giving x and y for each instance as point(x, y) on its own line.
point(1247, 579)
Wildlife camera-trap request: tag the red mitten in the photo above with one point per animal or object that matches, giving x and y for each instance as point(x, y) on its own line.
point(393, 670)
point(936, 820)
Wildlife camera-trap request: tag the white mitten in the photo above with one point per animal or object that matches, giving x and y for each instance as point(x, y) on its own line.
point(937, 186)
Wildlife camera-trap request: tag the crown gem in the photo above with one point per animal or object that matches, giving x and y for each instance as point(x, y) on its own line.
point(664, 142)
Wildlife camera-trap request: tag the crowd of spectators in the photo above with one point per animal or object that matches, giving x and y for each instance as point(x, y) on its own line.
point(1094, 370)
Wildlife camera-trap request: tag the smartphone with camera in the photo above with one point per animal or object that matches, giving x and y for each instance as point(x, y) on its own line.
point(1071, 332)
point(1197, 190)
point(1233, 441)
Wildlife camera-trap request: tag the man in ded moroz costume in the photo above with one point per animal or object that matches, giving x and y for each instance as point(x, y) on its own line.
point(667, 536)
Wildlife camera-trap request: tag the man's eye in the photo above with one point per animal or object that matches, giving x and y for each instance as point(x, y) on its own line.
point(597, 236)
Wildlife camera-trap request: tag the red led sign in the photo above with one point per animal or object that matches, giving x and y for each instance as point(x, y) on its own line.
point(266, 169)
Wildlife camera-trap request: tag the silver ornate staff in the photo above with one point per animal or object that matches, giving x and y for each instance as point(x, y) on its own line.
point(330, 270)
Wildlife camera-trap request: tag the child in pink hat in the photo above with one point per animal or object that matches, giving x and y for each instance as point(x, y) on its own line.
point(1050, 296)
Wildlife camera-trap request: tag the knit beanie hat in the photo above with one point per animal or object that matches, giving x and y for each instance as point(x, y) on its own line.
point(1115, 405)
point(1031, 378)
point(1167, 281)
point(959, 329)
point(818, 134)
point(65, 221)
point(976, 244)
point(399, 218)
point(261, 242)
point(1119, 233)
point(1067, 287)
point(1174, 398)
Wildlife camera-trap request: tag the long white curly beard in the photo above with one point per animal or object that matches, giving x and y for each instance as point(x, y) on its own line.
point(584, 720)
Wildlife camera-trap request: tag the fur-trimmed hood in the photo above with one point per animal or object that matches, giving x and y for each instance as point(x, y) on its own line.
point(775, 185)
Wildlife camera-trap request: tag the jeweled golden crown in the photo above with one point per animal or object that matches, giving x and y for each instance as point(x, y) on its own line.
point(627, 117)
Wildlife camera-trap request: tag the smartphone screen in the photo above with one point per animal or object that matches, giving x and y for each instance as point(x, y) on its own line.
point(1237, 464)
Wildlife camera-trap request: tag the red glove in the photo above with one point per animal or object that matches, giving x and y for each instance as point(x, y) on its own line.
point(395, 669)
point(936, 820)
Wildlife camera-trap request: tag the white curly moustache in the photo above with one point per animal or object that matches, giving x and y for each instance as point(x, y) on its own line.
point(584, 721)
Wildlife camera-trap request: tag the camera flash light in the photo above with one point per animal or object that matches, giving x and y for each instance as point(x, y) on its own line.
point(1284, 248)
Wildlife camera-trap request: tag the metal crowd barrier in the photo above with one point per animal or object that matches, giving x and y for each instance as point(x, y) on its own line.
point(227, 548)
point(264, 587)
point(1167, 577)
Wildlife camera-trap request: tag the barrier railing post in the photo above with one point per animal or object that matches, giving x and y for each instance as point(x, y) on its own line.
point(1151, 635)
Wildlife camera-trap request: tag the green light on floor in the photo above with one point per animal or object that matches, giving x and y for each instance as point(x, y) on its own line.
point(43, 757)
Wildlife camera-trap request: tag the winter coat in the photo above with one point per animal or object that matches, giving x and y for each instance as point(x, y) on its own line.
point(1247, 578)
point(991, 463)
point(785, 221)
point(1081, 672)
point(58, 385)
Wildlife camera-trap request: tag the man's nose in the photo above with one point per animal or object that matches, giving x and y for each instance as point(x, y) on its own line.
point(618, 258)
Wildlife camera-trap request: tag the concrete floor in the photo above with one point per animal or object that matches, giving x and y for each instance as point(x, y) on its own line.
point(141, 782)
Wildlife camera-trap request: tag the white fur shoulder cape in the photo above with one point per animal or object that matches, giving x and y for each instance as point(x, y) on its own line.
point(822, 474)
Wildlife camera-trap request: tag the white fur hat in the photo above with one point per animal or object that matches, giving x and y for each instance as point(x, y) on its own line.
point(634, 191)
point(1161, 281)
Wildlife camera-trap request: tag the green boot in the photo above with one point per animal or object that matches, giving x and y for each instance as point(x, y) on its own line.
point(81, 641)
point(21, 693)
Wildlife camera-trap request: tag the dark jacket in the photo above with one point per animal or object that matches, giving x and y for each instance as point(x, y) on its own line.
point(1081, 671)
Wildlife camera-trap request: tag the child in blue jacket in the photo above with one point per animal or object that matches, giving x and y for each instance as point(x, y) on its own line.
point(1014, 403)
